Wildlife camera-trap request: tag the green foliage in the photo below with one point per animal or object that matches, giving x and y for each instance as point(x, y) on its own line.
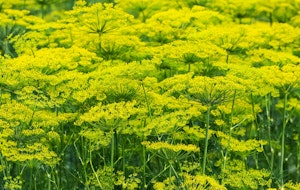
point(149, 94)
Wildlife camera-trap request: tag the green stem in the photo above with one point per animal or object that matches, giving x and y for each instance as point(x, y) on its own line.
point(123, 154)
point(283, 138)
point(35, 185)
point(268, 108)
point(71, 36)
point(112, 155)
point(230, 134)
point(33, 54)
point(24, 4)
point(3, 164)
point(95, 173)
point(143, 17)
point(170, 175)
point(82, 161)
point(43, 11)
point(206, 139)
point(227, 58)
point(256, 129)
point(49, 181)
point(255, 123)
point(147, 102)
point(177, 176)
point(144, 167)
point(56, 180)
point(30, 177)
point(165, 168)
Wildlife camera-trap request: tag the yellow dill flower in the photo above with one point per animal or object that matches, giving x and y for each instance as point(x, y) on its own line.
point(220, 122)
point(212, 91)
point(200, 182)
point(97, 137)
point(292, 185)
point(31, 132)
point(248, 178)
point(14, 111)
point(173, 147)
point(285, 78)
point(54, 136)
point(266, 57)
point(241, 145)
point(159, 186)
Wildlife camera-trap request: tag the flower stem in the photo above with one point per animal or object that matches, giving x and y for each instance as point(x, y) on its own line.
point(206, 139)
point(268, 108)
point(283, 138)
point(147, 102)
point(112, 155)
point(230, 134)
point(144, 167)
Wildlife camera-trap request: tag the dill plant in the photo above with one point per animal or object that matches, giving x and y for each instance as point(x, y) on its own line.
point(149, 95)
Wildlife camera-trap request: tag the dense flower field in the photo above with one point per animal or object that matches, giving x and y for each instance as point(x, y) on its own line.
point(149, 94)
